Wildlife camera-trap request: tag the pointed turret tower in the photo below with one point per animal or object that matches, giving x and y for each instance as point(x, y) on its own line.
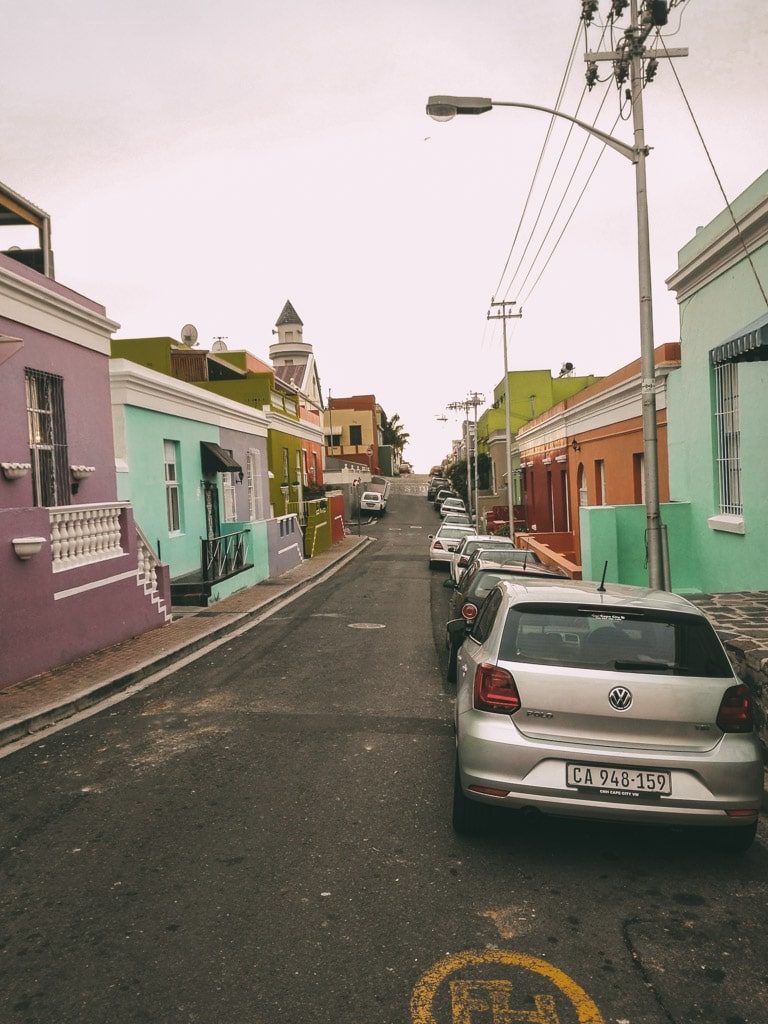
point(290, 346)
point(293, 358)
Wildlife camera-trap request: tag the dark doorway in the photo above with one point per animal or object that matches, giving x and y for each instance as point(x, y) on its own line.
point(212, 521)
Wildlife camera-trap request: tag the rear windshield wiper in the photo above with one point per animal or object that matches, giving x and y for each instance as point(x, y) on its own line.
point(644, 666)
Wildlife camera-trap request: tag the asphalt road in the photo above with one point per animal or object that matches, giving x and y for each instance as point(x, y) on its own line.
point(264, 838)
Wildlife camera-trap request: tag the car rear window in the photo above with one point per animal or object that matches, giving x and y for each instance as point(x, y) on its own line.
point(484, 583)
point(507, 555)
point(619, 639)
point(451, 532)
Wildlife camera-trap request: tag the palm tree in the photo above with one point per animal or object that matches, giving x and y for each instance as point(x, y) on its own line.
point(394, 433)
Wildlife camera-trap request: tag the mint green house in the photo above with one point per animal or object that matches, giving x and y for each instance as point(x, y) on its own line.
point(194, 465)
point(718, 402)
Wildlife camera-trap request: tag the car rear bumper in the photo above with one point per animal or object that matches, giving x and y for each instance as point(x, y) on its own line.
point(705, 785)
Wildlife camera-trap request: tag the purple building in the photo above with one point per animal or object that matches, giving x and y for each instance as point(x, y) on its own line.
point(75, 576)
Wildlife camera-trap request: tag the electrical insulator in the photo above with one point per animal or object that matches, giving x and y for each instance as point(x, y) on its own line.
point(617, 9)
point(659, 11)
point(621, 71)
point(651, 67)
point(588, 9)
point(591, 75)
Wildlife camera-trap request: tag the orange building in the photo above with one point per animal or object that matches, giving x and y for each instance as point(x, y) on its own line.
point(588, 450)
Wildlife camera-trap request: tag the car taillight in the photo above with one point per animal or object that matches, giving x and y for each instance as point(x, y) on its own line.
point(495, 690)
point(438, 546)
point(735, 714)
point(463, 560)
point(469, 611)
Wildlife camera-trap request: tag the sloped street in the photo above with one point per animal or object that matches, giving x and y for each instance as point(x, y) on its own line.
point(264, 837)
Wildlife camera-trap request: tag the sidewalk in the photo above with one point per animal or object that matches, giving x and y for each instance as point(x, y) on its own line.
point(741, 620)
point(34, 704)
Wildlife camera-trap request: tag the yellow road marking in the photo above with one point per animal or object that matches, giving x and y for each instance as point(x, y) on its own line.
point(493, 996)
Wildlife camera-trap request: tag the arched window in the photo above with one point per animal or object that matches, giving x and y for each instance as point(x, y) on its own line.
point(581, 482)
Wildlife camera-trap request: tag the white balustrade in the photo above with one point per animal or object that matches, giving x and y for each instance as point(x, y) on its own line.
point(82, 534)
point(148, 563)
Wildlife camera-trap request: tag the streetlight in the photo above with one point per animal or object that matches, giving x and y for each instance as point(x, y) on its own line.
point(444, 108)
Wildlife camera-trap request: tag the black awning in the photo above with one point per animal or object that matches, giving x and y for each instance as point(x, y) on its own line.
point(747, 345)
point(216, 460)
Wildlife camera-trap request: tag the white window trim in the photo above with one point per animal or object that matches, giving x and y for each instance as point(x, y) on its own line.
point(172, 485)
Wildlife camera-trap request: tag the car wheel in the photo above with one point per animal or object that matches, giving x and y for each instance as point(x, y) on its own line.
point(733, 840)
point(469, 817)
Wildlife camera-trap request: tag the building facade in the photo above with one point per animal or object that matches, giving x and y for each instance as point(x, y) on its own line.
point(75, 576)
point(718, 413)
point(354, 430)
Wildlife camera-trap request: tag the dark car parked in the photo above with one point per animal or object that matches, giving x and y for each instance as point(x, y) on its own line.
point(435, 484)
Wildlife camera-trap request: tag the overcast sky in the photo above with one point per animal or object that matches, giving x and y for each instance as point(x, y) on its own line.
point(205, 161)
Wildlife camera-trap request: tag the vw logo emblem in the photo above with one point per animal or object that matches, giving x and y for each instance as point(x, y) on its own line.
point(620, 698)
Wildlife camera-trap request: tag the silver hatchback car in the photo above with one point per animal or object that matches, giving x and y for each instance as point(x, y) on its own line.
point(614, 704)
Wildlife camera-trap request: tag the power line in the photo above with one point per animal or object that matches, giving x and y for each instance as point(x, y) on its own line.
point(562, 200)
point(717, 178)
point(564, 197)
point(546, 194)
point(561, 90)
point(568, 221)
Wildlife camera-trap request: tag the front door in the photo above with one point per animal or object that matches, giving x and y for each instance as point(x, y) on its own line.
point(212, 521)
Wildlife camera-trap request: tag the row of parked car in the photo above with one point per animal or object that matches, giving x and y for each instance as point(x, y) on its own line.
point(595, 701)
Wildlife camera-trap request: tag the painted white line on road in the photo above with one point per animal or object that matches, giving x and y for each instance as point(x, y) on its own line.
point(367, 625)
point(415, 527)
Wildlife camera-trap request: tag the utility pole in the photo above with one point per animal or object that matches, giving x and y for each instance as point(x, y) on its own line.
point(330, 420)
point(628, 62)
point(505, 315)
point(477, 399)
point(474, 399)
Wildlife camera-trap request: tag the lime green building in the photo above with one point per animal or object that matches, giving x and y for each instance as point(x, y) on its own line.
point(531, 392)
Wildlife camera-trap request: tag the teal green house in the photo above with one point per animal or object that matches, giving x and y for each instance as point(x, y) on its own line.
point(194, 466)
point(718, 403)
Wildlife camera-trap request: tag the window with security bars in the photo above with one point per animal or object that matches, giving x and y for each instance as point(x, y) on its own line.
point(47, 438)
point(728, 438)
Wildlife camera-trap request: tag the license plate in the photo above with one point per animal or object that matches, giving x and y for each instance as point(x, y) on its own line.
point(621, 782)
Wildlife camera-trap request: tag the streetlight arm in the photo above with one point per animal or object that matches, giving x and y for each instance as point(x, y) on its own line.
point(609, 140)
point(443, 108)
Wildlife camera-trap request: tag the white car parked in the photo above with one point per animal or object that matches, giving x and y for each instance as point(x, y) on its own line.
point(451, 505)
point(443, 543)
point(373, 503)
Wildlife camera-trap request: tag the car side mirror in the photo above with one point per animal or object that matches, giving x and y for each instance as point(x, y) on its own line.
point(449, 584)
point(431, 536)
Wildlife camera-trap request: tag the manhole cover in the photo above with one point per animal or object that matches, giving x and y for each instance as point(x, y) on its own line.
point(367, 625)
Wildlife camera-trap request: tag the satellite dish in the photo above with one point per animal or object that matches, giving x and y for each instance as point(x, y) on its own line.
point(189, 335)
point(219, 345)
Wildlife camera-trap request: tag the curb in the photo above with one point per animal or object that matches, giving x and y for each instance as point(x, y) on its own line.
point(20, 728)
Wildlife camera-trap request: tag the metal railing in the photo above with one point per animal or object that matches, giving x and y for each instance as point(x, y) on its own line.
point(223, 555)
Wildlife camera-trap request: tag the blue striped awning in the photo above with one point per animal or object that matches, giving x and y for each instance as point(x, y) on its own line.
point(747, 345)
